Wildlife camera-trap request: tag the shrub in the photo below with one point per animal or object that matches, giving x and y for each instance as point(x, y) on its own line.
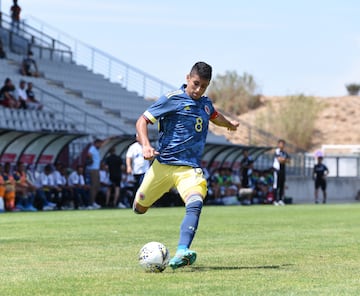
point(234, 93)
point(353, 89)
point(293, 119)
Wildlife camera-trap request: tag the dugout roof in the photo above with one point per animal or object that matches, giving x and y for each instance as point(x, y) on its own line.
point(33, 148)
point(40, 148)
point(216, 154)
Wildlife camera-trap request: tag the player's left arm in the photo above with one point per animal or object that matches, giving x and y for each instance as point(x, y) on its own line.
point(284, 159)
point(326, 172)
point(220, 120)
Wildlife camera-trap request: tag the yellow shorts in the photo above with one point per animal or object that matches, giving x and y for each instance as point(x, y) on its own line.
point(160, 178)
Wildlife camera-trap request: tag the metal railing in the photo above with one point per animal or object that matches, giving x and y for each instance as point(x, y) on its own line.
point(25, 37)
point(81, 119)
point(302, 164)
point(112, 68)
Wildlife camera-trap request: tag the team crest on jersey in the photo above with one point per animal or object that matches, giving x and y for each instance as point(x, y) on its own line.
point(207, 109)
point(187, 108)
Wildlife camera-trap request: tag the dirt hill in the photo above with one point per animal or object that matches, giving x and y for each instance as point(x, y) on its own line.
point(338, 123)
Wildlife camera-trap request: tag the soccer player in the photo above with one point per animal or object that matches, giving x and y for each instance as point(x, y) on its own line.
point(245, 165)
point(280, 159)
point(319, 175)
point(183, 116)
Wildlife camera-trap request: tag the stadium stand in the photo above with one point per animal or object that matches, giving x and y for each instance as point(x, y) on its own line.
point(75, 99)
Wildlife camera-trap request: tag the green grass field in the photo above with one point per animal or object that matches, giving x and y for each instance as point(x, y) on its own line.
point(258, 250)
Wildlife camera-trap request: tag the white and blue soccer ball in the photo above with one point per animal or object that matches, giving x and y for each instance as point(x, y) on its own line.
point(154, 257)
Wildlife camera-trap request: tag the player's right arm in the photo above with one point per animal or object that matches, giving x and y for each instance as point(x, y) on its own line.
point(142, 130)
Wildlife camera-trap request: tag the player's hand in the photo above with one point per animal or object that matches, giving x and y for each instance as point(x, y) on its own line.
point(149, 152)
point(234, 125)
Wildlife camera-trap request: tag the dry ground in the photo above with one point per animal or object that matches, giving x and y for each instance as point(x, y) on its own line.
point(338, 123)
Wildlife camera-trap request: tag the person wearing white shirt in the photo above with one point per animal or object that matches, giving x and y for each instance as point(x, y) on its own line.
point(48, 191)
point(60, 181)
point(20, 95)
point(136, 164)
point(281, 158)
point(80, 190)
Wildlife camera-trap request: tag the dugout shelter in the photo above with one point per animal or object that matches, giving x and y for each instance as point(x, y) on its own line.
point(41, 148)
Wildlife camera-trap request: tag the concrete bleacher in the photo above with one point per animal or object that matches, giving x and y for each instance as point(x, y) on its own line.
point(68, 109)
point(78, 100)
point(33, 120)
point(95, 88)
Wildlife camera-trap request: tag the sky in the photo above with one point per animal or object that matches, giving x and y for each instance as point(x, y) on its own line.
point(289, 47)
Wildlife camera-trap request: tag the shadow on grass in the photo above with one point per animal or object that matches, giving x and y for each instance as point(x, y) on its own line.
point(207, 268)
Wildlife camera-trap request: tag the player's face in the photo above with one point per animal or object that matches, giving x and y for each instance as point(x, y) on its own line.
point(196, 86)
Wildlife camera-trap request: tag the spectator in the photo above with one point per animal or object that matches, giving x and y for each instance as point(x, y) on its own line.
point(93, 169)
point(15, 10)
point(25, 190)
point(280, 159)
point(268, 178)
point(60, 181)
point(68, 197)
point(2, 51)
point(2, 189)
point(33, 178)
point(7, 98)
point(32, 102)
point(136, 164)
point(319, 174)
point(10, 184)
point(29, 66)
point(80, 190)
point(21, 95)
point(244, 167)
point(213, 191)
point(229, 182)
point(105, 184)
point(126, 188)
point(261, 191)
point(48, 192)
point(115, 164)
point(221, 182)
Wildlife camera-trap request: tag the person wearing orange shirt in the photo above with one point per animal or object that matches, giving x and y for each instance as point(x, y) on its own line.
point(2, 189)
point(10, 184)
point(24, 189)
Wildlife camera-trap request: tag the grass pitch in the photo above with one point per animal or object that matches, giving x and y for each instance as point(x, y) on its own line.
point(257, 250)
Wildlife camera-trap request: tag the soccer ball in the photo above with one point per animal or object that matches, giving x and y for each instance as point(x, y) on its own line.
point(154, 257)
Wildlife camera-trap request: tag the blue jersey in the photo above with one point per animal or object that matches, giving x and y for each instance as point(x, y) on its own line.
point(183, 127)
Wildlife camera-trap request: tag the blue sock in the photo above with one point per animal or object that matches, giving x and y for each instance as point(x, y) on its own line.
point(189, 224)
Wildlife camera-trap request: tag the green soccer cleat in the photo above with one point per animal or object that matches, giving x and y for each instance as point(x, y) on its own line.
point(182, 258)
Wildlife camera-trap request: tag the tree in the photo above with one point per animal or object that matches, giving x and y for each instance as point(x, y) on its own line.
point(234, 93)
point(353, 89)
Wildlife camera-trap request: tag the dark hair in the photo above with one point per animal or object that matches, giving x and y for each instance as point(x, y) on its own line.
point(281, 141)
point(202, 69)
point(48, 168)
